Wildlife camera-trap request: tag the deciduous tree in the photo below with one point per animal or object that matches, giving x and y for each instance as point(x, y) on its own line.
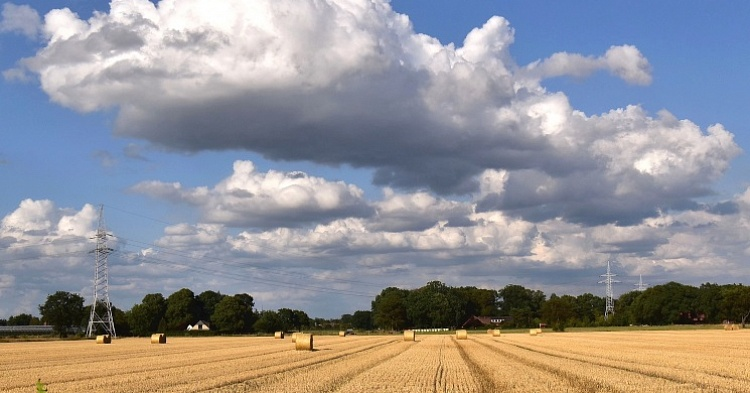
point(62, 310)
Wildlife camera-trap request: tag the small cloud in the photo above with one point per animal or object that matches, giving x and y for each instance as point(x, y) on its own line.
point(106, 159)
point(624, 61)
point(134, 151)
point(20, 19)
point(17, 75)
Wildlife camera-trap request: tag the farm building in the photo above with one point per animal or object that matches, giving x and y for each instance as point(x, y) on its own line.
point(476, 321)
point(199, 326)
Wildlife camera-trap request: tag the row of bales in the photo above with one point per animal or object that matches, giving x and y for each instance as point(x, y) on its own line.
point(304, 341)
point(156, 338)
point(461, 334)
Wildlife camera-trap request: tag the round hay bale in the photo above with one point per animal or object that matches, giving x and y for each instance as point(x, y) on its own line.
point(278, 335)
point(294, 337)
point(532, 332)
point(104, 339)
point(342, 333)
point(304, 342)
point(489, 331)
point(158, 338)
point(410, 335)
point(462, 334)
point(496, 333)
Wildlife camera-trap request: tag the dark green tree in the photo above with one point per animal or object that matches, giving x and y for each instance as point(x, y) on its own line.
point(288, 320)
point(62, 310)
point(521, 304)
point(231, 316)
point(709, 301)
point(589, 308)
point(434, 305)
point(389, 309)
point(293, 319)
point(736, 305)
point(249, 302)
point(624, 312)
point(559, 311)
point(268, 322)
point(671, 303)
point(207, 301)
point(362, 320)
point(144, 318)
point(20, 319)
point(477, 302)
point(182, 310)
point(346, 321)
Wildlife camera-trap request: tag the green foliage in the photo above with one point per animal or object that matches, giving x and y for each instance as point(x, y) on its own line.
point(182, 310)
point(62, 310)
point(434, 305)
point(362, 320)
point(268, 322)
point(671, 303)
point(736, 304)
point(207, 302)
point(558, 309)
point(233, 315)
point(144, 318)
point(21, 319)
point(521, 304)
point(293, 319)
point(40, 386)
point(389, 309)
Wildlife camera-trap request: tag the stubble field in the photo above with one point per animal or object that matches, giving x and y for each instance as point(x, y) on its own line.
point(654, 361)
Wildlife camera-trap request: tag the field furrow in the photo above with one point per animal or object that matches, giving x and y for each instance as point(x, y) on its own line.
point(506, 374)
point(677, 361)
point(325, 374)
point(590, 375)
point(662, 360)
point(433, 364)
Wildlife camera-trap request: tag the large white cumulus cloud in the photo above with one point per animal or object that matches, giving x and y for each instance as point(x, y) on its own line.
point(350, 82)
point(272, 199)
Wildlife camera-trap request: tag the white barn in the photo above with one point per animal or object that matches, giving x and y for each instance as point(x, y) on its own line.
point(200, 325)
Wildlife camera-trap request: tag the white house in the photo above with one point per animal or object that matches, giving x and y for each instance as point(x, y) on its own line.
point(200, 325)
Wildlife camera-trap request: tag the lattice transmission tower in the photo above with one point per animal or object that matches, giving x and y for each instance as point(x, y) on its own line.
point(609, 307)
point(101, 284)
point(641, 286)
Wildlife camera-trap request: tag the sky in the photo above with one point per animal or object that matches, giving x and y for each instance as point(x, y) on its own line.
point(311, 153)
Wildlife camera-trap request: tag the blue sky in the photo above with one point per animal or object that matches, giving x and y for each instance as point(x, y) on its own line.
point(313, 153)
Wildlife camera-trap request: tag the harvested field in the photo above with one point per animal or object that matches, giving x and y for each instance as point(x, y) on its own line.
point(664, 361)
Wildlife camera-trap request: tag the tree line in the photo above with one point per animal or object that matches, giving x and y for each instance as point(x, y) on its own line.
point(431, 306)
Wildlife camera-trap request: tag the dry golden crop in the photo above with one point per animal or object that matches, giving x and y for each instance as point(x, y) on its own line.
point(671, 361)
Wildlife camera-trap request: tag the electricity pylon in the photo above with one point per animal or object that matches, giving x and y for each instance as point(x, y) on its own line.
point(609, 307)
point(101, 283)
point(641, 286)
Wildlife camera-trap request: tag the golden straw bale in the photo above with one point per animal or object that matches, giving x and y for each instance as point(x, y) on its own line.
point(496, 333)
point(410, 335)
point(304, 342)
point(158, 338)
point(294, 337)
point(342, 333)
point(462, 334)
point(278, 335)
point(532, 332)
point(104, 339)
